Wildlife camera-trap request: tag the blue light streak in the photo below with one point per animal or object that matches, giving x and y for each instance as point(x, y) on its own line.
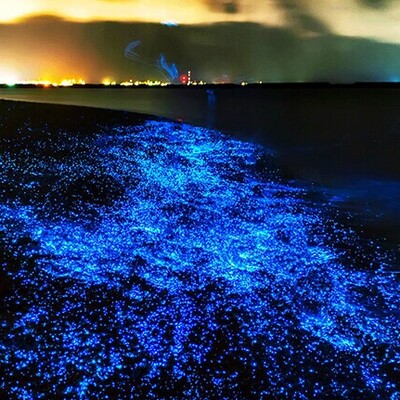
point(169, 71)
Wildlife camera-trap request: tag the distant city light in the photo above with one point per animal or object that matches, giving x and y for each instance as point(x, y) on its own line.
point(38, 82)
point(7, 76)
point(127, 83)
point(45, 82)
point(71, 82)
point(108, 82)
point(184, 79)
point(150, 83)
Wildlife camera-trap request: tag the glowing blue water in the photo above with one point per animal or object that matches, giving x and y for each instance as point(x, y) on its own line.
point(169, 261)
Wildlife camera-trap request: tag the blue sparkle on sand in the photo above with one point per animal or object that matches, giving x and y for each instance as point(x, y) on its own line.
point(170, 261)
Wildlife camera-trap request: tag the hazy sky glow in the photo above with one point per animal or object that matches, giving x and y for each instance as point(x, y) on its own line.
point(377, 19)
point(272, 40)
point(186, 12)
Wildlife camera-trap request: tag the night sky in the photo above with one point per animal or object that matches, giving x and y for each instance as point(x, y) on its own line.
point(218, 40)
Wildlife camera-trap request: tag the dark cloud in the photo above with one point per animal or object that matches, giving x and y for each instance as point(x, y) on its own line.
point(225, 6)
point(301, 19)
point(310, 24)
point(377, 4)
point(41, 19)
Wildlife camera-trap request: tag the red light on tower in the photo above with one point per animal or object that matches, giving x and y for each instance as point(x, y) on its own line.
point(184, 79)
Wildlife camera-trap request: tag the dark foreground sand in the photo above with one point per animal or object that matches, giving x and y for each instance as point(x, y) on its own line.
point(149, 259)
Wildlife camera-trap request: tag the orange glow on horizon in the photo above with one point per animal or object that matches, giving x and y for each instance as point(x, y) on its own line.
point(40, 82)
point(107, 81)
point(193, 12)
